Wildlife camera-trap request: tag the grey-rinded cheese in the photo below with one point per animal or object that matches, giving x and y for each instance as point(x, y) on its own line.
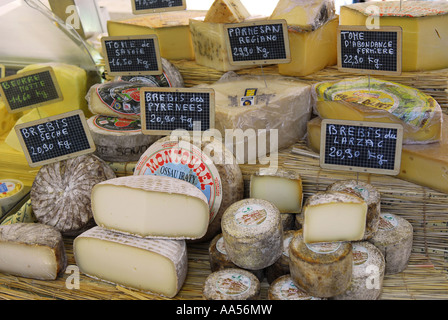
point(284, 288)
point(281, 266)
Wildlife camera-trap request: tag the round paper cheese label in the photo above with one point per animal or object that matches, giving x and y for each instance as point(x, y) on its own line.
point(233, 284)
point(251, 215)
point(220, 246)
point(324, 247)
point(387, 222)
point(360, 255)
point(114, 124)
point(289, 291)
point(121, 97)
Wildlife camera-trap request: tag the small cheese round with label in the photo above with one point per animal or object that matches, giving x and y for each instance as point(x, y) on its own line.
point(281, 266)
point(284, 288)
point(253, 233)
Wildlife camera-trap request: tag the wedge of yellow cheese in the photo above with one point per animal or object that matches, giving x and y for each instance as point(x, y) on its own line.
point(424, 24)
point(227, 11)
point(7, 120)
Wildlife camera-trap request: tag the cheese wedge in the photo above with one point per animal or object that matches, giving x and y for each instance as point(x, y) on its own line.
point(7, 120)
point(227, 11)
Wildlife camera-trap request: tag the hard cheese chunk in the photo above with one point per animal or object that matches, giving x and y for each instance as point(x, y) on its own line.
point(227, 11)
point(361, 99)
point(149, 265)
point(282, 188)
point(7, 120)
point(424, 24)
point(171, 28)
point(32, 250)
point(151, 206)
point(334, 216)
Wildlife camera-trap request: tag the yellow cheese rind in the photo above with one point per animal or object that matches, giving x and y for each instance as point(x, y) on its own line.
point(227, 11)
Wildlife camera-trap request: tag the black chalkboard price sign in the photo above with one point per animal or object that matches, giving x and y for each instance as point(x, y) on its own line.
point(361, 146)
point(370, 51)
point(55, 138)
point(133, 55)
point(30, 90)
point(166, 109)
point(152, 6)
point(258, 43)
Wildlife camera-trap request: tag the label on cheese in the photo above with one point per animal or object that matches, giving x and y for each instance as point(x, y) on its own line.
point(289, 291)
point(323, 247)
point(387, 222)
point(123, 98)
point(250, 216)
point(114, 124)
point(220, 246)
point(360, 254)
point(186, 162)
point(151, 81)
point(233, 284)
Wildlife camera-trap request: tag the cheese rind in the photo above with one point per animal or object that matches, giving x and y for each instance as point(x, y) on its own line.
point(151, 206)
point(32, 250)
point(283, 288)
point(281, 266)
point(226, 11)
point(149, 265)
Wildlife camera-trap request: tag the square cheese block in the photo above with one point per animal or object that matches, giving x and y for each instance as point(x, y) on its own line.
point(149, 265)
point(282, 188)
point(227, 11)
point(424, 24)
point(334, 216)
point(151, 206)
point(172, 29)
point(363, 99)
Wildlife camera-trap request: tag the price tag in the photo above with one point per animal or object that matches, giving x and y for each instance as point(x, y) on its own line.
point(258, 43)
point(150, 6)
point(166, 109)
point(136, 55)
point(370, 51)
point(55, 138)
point(30, 90)
point(361, 146)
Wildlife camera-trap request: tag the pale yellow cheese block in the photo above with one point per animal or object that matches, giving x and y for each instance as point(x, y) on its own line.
point(7, 120)
point(227, 11)
point(424, 24)
point(172, 29)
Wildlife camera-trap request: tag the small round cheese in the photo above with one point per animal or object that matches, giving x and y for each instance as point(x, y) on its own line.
point(394, 239)
point(253, 233)
point(368, 273)
point(281, 266)
point(11, 191)
point(321, 269)
point(370, 195)
point(284, 288)
point(231, 284)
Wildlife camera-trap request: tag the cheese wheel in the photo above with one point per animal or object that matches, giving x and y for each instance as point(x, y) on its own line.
point(61, 192)
point(119, 139)
point(281, 266)
point(320, 269)
point(370, 195)
point(32, 250)
point(219, 259)
point(284, 288)
point(210, 166)
point(149, 265)
point(394, 239)
point(11, 191)
point(231, 284)
point(368, 273)
point(253, 233)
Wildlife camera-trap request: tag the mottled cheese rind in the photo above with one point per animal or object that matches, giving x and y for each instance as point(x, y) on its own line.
point(281, 266)
point(149, 265)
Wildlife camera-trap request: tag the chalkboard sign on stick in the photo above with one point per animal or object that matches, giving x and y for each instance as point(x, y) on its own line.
point(31, 89)
point(152, 6)
point(55, 138)
point(368, 51)
point(132, 55)
point(361, 146)
point(258, 42)
point(166, 109)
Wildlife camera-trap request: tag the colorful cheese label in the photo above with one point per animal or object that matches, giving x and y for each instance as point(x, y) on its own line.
point(323, 247)
point(148, 80)
point(289, 291)
point(114, 124)
point(360, 255)
point(233, 284)
point(251, 215)
point(121, 97)
point(387, 222)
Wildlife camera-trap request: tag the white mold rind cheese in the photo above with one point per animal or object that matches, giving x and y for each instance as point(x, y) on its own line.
point(394, 239)
point(208, 165)
point(284, 288)
point(281, 266)
point(231, 284)
point(370, 195)
point(149, 265)
point(368, 273)
point(320, 269)
point(61, 192)
point(253, 233)
point(32, 250)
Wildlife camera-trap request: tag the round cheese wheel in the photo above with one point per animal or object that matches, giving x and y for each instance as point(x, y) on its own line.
point(394, 239)
point(321, 269)
point(231, 284)
point(368, 273)
point(253, 233)
point(370, 195)
point(61, 192)
point(208, 165)
point(11, 191)
point(219, 259)
point(281, 266)
point(284, 288)
point(119, 139)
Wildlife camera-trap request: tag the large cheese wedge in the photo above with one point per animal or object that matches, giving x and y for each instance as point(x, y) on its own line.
point(253, 110)
point(425, 165)
point(7, 120)
point(32, 250)
point(151, 206)
point(227, 11)
point(364, 99)
point(172, 29)
point(424, 24)
point(149, 265)
point(334, 216)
